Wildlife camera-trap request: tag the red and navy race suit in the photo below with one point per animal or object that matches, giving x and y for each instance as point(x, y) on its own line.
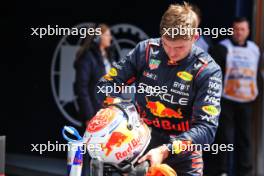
point(184, 103)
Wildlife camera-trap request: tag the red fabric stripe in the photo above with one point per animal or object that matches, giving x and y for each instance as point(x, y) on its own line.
point(201, 69)
point(197, 165)
point(131, 80)
point(197, 160)
point(147, 53)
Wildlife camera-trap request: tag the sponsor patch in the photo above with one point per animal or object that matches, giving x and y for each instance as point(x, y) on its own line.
point(108, 77)
point(214, 85)
point(212, 99)
point(185, 76)
point(211, 119)
point(181, 86)
point(210, 110)
point(154, 64)
point(150, 75)
point(180, 92)
point(113, 72)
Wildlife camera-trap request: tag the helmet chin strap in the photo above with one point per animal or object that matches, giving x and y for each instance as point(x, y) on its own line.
point(130, 113)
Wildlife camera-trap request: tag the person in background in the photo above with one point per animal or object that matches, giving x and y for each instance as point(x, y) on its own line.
point(203, 42)
point(93, 60)
point(240, 59)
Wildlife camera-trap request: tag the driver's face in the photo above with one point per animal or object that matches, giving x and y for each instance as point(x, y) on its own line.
point(177, 49)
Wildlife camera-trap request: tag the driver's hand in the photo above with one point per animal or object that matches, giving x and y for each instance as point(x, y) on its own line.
point(156, 155)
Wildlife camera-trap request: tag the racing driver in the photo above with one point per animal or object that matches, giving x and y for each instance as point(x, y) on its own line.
point(181, 94)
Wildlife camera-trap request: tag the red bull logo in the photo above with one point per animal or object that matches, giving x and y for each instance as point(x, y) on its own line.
point(167, 125)
point(159, 109)
point(116, 139)
point(132, 145)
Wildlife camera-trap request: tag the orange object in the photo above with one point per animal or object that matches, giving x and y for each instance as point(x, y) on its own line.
point(112, 100)
point(161, 170)
point(109, 100)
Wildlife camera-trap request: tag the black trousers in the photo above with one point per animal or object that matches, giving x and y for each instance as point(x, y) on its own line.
point(235, 127)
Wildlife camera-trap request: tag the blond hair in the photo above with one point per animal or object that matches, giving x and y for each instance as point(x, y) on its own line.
point(178, 16)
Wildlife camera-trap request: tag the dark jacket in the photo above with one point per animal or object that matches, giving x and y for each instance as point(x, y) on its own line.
point(89, 69)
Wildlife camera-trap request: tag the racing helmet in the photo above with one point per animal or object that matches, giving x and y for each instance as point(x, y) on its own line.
point(118, 133)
